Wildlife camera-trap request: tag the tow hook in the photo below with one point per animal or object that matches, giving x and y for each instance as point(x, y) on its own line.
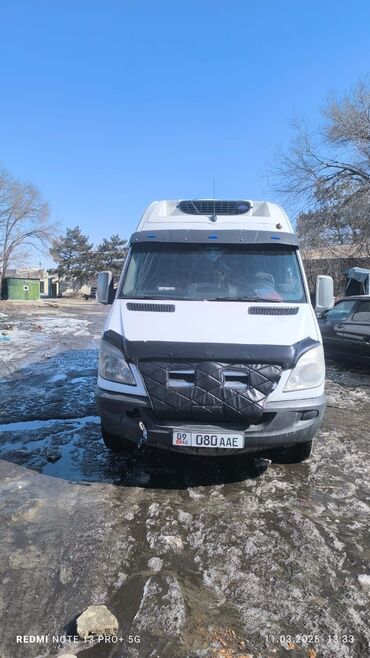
point(141, 441)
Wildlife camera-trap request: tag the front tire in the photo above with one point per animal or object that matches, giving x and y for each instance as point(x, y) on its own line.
point(295, 454)
point(116, 443)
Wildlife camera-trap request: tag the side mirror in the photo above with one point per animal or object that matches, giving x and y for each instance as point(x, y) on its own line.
point(103, 287)
point(324, 294)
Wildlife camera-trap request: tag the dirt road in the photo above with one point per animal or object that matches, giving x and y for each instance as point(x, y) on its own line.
point(196, 558)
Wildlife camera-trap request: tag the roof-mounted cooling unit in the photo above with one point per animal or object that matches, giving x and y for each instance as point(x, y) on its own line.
point(211, 207)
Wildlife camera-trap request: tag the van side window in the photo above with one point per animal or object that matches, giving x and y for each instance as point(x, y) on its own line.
point(362, 313)
point(341, 310)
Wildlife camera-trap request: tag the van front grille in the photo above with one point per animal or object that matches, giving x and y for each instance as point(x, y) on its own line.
point(209, 390)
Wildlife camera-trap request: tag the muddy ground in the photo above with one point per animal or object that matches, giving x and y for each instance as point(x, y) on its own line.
point(196, 558)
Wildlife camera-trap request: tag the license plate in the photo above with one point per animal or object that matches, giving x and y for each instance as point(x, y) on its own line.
point(208, 440)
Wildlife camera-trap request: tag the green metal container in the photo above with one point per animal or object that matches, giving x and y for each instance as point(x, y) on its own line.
point(22, 289)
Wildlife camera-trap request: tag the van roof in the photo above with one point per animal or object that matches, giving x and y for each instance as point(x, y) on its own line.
point(219, 213)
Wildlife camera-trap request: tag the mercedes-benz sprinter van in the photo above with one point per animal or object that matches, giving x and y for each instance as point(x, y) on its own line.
point(212, 345)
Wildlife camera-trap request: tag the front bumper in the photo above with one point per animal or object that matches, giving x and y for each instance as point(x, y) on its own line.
point(283, 424)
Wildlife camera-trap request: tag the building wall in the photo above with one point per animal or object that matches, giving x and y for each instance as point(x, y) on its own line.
point(21, 289)
point(49, 284)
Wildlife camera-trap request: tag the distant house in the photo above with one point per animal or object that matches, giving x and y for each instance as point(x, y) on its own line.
point(17, 284)
point(69, 289)
point(20, 289)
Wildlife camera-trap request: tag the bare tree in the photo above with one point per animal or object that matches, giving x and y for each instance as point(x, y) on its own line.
point(24, 220)
point(326, 173)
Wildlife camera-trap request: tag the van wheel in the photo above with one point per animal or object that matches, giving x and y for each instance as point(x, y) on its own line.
point(295, 454)
point(116, 443)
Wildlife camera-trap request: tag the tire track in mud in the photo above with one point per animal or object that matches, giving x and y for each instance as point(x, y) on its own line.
point(163, 594)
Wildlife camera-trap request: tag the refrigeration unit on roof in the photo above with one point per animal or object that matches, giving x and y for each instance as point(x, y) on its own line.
point(216, 207)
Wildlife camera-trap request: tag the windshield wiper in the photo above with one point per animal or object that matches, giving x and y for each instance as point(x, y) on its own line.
point(244, 299)
point(149, 297)
point(197, 299)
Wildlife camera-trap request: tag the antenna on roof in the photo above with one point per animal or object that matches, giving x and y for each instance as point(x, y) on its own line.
point(213, 217)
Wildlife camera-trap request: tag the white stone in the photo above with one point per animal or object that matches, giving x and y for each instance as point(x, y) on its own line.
point(173, 542)
point(155, 564)
point(96, 620)
point(364, 581)
point(184, 517)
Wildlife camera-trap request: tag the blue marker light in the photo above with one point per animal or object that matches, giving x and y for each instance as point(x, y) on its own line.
point(274, 237)
point(213, 237)
point(151, 237)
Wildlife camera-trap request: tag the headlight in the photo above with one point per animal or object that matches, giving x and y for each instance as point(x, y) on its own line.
point(309, 371)
point(112, 364)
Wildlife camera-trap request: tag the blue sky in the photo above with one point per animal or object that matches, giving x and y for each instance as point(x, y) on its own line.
point(107, 105)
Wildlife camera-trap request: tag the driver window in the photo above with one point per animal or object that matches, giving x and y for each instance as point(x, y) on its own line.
point(341, 310)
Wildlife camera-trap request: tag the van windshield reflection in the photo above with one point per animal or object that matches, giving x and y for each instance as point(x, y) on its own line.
point(222, 273)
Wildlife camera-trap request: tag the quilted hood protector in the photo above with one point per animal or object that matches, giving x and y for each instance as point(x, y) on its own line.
point(209, 390)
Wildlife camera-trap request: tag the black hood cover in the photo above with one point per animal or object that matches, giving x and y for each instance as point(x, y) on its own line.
point(209, 390)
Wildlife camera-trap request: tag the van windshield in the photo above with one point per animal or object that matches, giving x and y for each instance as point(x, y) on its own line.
point(215, 273)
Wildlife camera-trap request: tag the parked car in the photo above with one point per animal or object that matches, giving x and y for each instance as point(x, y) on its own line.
point(345, 330)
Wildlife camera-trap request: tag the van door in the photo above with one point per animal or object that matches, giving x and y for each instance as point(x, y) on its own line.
point(355, 331)
point(332, 325)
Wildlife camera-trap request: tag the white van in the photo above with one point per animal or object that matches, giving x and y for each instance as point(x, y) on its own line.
point(212, 345)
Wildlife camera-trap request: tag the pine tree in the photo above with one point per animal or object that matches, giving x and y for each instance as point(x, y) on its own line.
point(110, 254)
point(74, 256)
